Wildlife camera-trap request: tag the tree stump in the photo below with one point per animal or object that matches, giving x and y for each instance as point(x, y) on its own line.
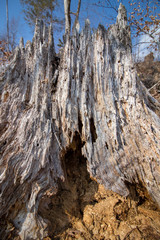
point(91, 107)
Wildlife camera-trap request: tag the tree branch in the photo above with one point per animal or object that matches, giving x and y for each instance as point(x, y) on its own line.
point(77, 15)
point(102, 6)
point(154, 86)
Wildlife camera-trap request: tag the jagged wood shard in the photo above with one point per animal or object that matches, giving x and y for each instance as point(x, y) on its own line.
point(93, 93)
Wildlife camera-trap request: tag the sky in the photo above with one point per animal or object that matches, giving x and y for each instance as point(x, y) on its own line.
point(143, 48)
point(14, 10)
point(88, 10)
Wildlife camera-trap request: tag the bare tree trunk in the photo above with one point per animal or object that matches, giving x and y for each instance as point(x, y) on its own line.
point(88, 117)
point(7, 24)
point(67, 16)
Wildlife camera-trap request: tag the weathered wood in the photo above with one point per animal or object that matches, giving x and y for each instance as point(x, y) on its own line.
point(92, 100)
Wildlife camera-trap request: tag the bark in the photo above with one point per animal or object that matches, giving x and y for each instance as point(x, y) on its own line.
point(91, 106)
point(67, 4)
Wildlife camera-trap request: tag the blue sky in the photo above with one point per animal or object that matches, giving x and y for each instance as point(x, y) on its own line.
point(14, 10)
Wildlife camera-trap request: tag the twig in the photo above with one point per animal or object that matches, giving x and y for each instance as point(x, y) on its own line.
point(57, 139)
point(102, 6)
point(154, 86)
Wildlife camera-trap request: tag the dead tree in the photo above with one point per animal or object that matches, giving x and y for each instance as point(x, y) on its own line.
point(92, 103)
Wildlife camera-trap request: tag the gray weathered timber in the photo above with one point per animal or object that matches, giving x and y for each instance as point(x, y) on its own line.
point(95, 93)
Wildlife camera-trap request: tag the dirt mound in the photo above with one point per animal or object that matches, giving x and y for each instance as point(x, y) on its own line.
point(110, 216)
point(115, 218)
